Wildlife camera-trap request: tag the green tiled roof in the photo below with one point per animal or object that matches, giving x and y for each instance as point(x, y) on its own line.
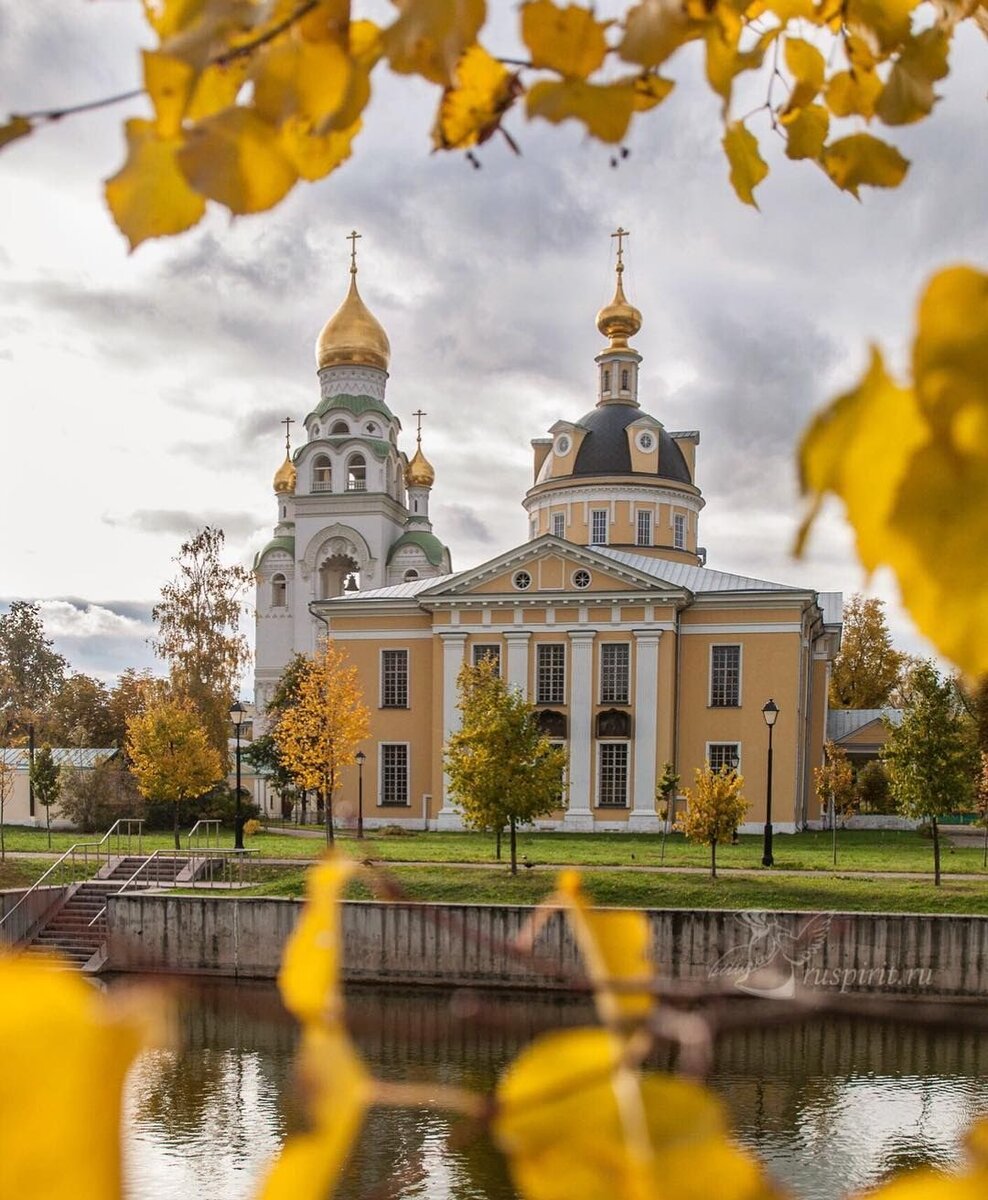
point(427, 542)
point(358, 405)
point(279, 543)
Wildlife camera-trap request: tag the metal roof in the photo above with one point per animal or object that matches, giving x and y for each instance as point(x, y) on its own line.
point(841, 722)
point(605, 450)
point(832, 604)
point(72, 756)
point(398, 591)
point(697, 579)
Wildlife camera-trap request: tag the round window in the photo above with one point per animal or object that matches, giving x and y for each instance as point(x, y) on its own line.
point(562, 444)
point(581, 579)
point(522, 581)
point(646, 441)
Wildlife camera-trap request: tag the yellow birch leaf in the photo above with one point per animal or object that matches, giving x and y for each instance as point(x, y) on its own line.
point(149, 196)
point(235, 158)
point(429, 36)
point(216, 88)
point(471, 110)
point(847, 451)
point(168, 17)
point(908, 93)
point(168, 82)
point(568, 40)
point(605, 109)
point(806, 131)
point(328, 21)
point(365, 52)
point(298, 78)
point(339, 1089)
point(883, 24)
point(314, 155)
point(853, 93)
point(792, 10)
point(748, 168)
point(309, 978)
point(66, 1049)
point(655, 29)
point(806, 65)
point(950, 352)
point(16, 127)
point(862, 160)
point(721, 63)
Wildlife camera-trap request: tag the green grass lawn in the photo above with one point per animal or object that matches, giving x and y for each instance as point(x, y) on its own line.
point(634, 890)
point(858, 850)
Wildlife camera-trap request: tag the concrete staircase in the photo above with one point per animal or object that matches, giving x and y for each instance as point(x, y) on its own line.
point(70, 932)
point(161, 871)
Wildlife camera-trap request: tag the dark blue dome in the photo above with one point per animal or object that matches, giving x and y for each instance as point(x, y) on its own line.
point(605, 451)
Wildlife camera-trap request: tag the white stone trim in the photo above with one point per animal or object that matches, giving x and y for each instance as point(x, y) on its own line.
point(516, 667)
point(728, 629)
point(454, 645)
point(646, 643)
point(579, 814)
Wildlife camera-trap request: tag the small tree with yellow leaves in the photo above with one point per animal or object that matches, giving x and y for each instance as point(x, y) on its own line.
point(170, 754)
point(715, 807)
point(318, 735)
point(834, 784)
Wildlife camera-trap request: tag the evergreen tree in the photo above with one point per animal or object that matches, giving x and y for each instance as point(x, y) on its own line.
point(502, 768)
point(46, 777)
point(931, 757)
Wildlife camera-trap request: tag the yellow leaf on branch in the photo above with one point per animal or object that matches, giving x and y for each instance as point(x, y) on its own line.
point(569, 40)
point(429, 36)
point(908, 92)
point(883, 24)
point(806, 65)
point(309, 979)
point(853, 93)
point(605, 109)
point(235, 157)
point(748, 168)
point(16, 127)
point(861, 160)
point(806, 131)
point(315, 155)
point(471, 110)
point(655, 29)
point(301, 78)
point(365, 52)
point(149, 196)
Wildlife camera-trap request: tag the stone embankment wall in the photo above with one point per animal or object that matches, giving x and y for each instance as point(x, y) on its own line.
point(466, 944)
point(29, 915)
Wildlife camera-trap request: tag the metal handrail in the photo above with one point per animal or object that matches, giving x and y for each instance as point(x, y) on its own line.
point(211, 827)
point(117, 828)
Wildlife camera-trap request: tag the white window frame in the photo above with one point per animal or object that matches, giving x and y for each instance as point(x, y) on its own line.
point(601, 746)
point(562, 744)
point(408, 673)
point(538, 654)
point(279, 575)
point(476, 659)
point(321, 464)
point(352, 482)
point(626, 646)
point(643, 515)
point(710, 673)
point(605, 515)
point(407, 803)
point(679, 528)
point(709, 746)
point(558, 525)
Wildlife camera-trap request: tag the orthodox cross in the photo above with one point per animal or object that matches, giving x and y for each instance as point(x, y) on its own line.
point(620, 234)
point(418, 424)
point(352, 239)
point(288, 422)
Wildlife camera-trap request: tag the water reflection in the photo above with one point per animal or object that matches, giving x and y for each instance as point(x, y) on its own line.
point(828, 1107)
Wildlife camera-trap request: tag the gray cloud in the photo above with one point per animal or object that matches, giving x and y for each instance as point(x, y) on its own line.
point(181, 524)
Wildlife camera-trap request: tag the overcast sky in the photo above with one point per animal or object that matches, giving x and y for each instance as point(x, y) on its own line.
point(141, 394)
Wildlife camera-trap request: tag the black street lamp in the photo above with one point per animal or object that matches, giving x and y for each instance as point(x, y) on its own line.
point(237, 714)
point(771, 713)
point(361, 757)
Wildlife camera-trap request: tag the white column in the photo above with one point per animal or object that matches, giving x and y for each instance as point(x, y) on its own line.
point(579, 814)
point(453, 646)
point(643, 817)
point(516, 673)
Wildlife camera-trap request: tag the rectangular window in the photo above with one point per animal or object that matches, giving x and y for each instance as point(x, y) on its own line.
point(615, 669)
point(724, 754)
point(598, 527)
point(482, 651)
point(613, 791)
point(558, 524)
point(394, 678)
point(679, 531)
point(644, 532)
point(394, 774)
point(550, 670)
point(725, 676)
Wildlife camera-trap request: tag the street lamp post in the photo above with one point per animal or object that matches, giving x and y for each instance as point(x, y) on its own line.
point(771, 713)
point(361, 757)
point(237, 714)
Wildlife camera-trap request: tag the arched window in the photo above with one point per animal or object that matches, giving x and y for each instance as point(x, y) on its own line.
point(607, 379)
point(356, 474)
point(624, 381)
point(410, 575)
point(322, 474)
point(340, 429)
point(279, 591)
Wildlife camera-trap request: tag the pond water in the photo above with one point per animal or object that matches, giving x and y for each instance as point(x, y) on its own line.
point(828, 1107)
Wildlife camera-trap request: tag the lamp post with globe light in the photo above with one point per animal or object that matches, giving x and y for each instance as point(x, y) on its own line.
point(237, 715)
point(771, 714)
point(360, 757)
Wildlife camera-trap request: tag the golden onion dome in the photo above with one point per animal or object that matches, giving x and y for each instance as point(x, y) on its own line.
point(419, 472)
point(353, 335)
point(619, 320)
point(285, 477)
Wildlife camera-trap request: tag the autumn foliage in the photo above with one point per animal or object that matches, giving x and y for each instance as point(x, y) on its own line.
point(715, 807)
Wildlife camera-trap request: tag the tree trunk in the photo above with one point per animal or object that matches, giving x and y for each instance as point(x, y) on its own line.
point(833, 822)
point(497, 843)
point(178, 844)
point(48, 823)
point(713, 859)
point(514, 847)
point(936, 852)
point(985, 863)
point(327, 801)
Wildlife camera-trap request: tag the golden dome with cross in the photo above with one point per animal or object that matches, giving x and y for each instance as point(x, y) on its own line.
point(353, 335)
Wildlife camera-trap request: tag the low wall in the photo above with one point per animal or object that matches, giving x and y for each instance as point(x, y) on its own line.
point(471, 944)
point(30, 913)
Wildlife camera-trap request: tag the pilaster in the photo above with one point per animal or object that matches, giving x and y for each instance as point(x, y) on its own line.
point(643, 817)
point(516, 673)
point(579, 814)
point(453, 647)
